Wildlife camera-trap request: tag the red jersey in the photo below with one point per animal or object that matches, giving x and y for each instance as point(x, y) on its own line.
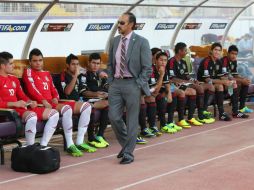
point(10, 90)
point(39, 85)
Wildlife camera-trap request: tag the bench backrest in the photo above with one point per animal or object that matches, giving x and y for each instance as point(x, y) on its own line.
point(56, 64)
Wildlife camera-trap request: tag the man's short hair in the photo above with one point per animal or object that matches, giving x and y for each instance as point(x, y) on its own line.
point(232, 48)
point(4, 57)
point(216, 44)
point(71, 57)
point(155, 50)
point(179, 46)
point(3, 61)
point(161, 54)
point(94, 56)
point(35, 52)
point(132, 19)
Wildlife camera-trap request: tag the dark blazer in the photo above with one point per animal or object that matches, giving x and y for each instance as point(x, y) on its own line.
point(138, 59)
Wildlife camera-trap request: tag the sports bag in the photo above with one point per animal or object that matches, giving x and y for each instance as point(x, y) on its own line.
point(35, 159)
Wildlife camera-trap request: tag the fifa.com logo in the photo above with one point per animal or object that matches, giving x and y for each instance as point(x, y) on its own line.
point(14, 27)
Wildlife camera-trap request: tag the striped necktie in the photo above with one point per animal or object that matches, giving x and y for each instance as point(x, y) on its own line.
point(123, 57)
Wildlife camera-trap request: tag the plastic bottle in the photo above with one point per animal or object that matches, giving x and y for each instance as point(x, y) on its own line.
point(172, 87)
point(230, 89)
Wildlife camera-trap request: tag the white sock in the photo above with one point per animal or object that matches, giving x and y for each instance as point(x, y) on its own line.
point(30, 128)
point(84, 119)
point(50, 127)
point(67, 124)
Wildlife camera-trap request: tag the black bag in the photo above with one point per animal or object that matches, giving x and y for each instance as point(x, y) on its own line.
point(35, 159)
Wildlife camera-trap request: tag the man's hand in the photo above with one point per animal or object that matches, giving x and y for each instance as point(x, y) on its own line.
point(55, 100)
point(194, 81)
point(77, 71)
point(20, 104)
point(46, 104)
point(208, 80)
point(162, 71)
point(102, 95)
point(32, 104)
point(227, 83)
point(102, 75)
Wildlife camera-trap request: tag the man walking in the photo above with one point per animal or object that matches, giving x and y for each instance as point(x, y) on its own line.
point(129, 70)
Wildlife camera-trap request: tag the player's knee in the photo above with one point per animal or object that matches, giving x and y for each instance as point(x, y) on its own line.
point(53, 116)
point(219, 87)
point(86, 107)
point(66, 110)
point(211, 87)
point(192, 92)
point(30, 117)
point(180, 93)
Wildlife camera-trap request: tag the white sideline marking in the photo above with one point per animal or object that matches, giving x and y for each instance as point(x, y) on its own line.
point(17, 179)
point(141, 148)
point(185, 167)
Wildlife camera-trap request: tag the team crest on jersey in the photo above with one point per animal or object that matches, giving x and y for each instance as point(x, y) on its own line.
point(83, 79)
point(47, 79)
point(217, 67)
point(224, 69)
point(171, 72)
point(13, 84)
point(232, 67)
point(63, 84)
point(30, 79)
point(206, 72)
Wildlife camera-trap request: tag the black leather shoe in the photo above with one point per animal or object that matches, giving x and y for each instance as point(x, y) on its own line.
point(126, 160)
point(120, 154)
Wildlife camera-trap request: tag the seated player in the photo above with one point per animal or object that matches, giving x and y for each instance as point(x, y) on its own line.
point(167, 96)
point(97, 88)
point(182, 76)
point(12, 96)
point(75, 87)
point(162, 91)
point(210, 71)
point(174, 65)
point(40, 87)
point(230, 67)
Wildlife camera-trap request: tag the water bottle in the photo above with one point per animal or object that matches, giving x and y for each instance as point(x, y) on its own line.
point(81, 99)
point(172, 87)
point(230, 90)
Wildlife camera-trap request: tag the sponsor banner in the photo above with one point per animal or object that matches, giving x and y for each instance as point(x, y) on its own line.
point(165, 26)
point(14, 27)
point(99, 26)
point(139, 26)
point(191, 26)
point(56, 27)
point(218, 26)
